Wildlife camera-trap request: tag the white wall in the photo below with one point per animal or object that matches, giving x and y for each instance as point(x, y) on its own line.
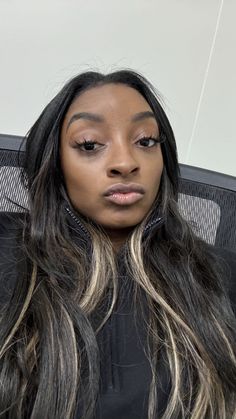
point(185, 47)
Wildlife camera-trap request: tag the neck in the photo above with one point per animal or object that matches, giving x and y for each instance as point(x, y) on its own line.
point(118, 237)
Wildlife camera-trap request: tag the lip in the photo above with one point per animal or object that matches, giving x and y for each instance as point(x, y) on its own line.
point(124, 194)
point(121, 188)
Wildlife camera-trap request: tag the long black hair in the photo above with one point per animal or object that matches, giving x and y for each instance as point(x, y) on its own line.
point(48, 339)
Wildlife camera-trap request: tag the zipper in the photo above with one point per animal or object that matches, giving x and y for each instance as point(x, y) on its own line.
point(78, 222)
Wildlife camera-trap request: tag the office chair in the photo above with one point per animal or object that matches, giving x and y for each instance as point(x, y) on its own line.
point(206, 199)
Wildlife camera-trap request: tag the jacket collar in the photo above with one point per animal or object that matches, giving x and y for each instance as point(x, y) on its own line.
point(77, 225)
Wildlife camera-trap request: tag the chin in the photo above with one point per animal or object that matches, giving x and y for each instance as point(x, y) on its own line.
point(121, 225)
point(121, 220)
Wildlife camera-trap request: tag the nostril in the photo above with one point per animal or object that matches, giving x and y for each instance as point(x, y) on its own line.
point(115, 172)
point(118, 172)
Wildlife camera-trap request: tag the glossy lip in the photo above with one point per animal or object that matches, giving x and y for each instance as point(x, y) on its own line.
point(124, 194)
point(124, 198)
point(121, 188)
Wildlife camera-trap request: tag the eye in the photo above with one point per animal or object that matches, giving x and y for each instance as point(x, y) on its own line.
point(148, 142)
point(87, 145)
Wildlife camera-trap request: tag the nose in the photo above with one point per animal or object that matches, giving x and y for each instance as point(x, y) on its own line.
point(122, 162)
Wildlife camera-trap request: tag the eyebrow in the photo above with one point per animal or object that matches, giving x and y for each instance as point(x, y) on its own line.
point(140, 116)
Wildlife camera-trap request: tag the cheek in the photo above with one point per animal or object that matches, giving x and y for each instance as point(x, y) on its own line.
point(156, 174)
point(81, 182)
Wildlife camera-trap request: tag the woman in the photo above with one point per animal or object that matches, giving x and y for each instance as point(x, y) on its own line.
point(118, 310)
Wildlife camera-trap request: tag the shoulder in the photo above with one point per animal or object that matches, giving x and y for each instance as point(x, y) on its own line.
point(11, 227)
point(11, 223)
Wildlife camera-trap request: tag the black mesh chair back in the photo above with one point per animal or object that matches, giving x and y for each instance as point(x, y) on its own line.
point(206, 199)
point(13, 196)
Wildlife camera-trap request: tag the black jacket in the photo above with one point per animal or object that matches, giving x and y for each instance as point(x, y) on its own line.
point(125, 371)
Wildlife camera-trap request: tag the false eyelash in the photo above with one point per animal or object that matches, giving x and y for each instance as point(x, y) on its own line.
point(88, 141)
point(149, 138)
point(78, 145)
point(158, 140)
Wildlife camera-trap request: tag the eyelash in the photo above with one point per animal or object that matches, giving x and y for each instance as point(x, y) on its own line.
point(80, 145)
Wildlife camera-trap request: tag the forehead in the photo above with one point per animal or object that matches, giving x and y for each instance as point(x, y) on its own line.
point(110, 100)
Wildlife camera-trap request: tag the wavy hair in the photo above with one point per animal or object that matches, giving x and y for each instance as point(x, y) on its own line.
point(48, 336)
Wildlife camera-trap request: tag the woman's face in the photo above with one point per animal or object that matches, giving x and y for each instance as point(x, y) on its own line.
point(113, 119)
